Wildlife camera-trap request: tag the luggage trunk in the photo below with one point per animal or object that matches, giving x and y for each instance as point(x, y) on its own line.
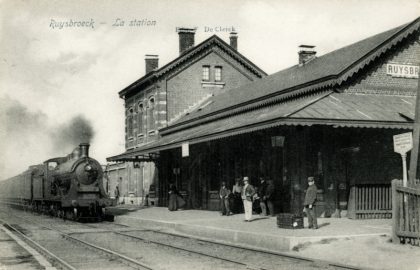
point(289, 221)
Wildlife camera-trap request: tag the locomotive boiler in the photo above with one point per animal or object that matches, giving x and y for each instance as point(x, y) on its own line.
point(69, 187)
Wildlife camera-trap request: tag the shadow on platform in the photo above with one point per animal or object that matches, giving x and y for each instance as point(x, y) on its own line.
point(258, 218)
point(123, 209)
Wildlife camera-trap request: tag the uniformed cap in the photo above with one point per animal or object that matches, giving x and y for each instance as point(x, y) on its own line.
point(311, 179)
point(246, 178)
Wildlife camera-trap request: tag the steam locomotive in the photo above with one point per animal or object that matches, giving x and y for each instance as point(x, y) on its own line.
point(70, 187)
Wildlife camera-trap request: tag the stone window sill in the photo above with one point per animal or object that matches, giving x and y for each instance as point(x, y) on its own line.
point(212, 84)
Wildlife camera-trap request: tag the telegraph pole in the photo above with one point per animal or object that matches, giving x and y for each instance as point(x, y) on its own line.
point(416, 136)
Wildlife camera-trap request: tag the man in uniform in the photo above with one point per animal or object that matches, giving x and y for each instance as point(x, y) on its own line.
point(310, 200)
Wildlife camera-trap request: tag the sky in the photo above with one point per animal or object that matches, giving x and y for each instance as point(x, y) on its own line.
point(55, 79)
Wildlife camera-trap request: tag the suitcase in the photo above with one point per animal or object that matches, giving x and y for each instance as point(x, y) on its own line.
point(289, 221)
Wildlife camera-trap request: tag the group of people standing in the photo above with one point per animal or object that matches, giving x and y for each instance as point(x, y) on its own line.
point(244, 196)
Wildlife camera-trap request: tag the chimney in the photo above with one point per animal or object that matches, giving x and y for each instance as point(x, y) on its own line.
point(306, 54)
point(234, 40)
point(186, 38)
point(152, 62)
point(84, 150)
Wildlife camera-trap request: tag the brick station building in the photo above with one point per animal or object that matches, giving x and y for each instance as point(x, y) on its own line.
point(332, 117)
point(164, 94)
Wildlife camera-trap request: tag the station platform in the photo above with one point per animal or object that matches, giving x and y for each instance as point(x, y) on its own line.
point(261, 232)
point(362, 243)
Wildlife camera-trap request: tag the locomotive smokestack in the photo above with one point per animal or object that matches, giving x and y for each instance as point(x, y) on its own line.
point(84, 150)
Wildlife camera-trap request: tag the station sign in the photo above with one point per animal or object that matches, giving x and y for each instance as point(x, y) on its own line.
point(402, 70)
point(185, 150)
point(403, 143)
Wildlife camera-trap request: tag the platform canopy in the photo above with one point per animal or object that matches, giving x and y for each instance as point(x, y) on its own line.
point(325, 108)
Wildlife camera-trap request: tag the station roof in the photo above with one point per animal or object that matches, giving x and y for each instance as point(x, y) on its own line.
point(324, 108)
point(328, 70)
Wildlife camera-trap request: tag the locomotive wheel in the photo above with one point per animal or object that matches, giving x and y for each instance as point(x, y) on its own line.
point(31, 207)
point(69, 214)
point(100, 213)
point(60, 214)
point(56, 212)
point(44, 209)
point(37, 208)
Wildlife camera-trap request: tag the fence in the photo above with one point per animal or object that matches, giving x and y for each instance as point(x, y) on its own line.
point(371, 201)
point(406, 213)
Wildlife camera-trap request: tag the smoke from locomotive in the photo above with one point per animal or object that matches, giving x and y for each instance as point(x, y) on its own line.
point(78, 129)
point(69, 187)
point(39, 134)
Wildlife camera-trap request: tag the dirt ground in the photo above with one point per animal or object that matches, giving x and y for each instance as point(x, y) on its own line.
point(374, 252)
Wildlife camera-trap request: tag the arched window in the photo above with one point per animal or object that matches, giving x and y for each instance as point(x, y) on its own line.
point(140, 115)
point(151, 114)
point(130, 121)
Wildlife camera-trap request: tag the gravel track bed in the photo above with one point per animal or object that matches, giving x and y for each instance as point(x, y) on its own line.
point(254, 258)
point(157, 256)
point(75, 254)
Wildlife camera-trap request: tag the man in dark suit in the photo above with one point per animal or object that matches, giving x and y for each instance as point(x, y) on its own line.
point(310, 200)
point(117, 195)
point(262, 194)
point(224, 199)
point(269, 196)
point(237, 201)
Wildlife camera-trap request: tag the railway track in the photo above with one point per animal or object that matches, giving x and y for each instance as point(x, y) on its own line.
point(73, 253)
point(59, 258)
point(126, 234)
point(14, 253)
point(233, 256)
point(246, 256)
point(58, 262)
point(322, 263)
point(149, 236)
